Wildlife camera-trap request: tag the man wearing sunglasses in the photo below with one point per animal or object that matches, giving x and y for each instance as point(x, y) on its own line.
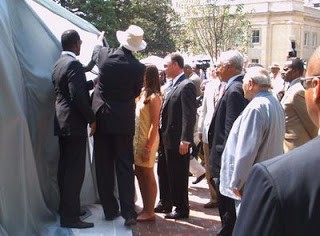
point(285, 191)
point(299, 128)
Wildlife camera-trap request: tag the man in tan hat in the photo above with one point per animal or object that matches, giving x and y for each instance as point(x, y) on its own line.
point(120, 82)
point(277, 83)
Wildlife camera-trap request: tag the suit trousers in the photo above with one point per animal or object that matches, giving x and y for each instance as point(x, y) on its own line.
point(163, 181)
point(178, 176)
point(71, 171)
point(227, 209)
point(114, 158)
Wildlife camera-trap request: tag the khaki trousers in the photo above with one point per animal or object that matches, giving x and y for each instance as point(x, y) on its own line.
point(207, 165)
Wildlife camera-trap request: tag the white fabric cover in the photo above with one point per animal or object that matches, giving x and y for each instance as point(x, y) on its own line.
point(29, 42)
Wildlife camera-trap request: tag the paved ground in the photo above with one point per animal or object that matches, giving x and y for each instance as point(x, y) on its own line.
point(201, 221)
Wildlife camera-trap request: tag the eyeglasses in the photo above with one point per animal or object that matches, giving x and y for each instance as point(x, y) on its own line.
point(305, 82)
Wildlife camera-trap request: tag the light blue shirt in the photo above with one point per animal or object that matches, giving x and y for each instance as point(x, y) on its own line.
point(256, 135)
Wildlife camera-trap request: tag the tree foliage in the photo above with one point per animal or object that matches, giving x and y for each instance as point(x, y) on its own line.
point(156, 18)
point(218, 27)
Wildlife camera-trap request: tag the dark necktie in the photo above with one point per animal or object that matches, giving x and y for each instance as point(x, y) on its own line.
point(168, 89)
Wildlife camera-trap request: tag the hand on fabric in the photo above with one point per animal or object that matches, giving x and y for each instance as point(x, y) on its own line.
point(237, 192)
point(183, 148)
point(100, 38)
point(146, 155)
point(93, 128)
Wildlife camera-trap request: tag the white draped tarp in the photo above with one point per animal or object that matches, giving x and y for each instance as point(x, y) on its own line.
point(29, 42)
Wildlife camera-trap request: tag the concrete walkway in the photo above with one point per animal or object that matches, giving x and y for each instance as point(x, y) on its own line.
point(101, 226)
point(201, 221)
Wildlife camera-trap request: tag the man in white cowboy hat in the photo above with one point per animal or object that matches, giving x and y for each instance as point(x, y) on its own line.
point(277, 83)
point(120, 82)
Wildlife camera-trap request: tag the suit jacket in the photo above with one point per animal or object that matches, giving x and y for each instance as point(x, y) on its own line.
point(196, 81)
point(178, 114)
point(229, 107)
point(299, 127)
point(120, 82)
point(282, 195)
point(73, 110)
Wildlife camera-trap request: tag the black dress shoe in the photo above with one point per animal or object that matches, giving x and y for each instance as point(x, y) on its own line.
point(176, 215)
point(201, 177)
point(211, 204)
point(78, 224)
point(112, 217)
point(225, 231)
point(162, 209)
point(82, 213)
point(130, 221)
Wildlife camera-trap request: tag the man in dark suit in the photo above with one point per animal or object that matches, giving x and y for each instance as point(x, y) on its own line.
point(282, 195)
point(178, 117)
point(73, 114)
point(120, 82)
point(229, 107)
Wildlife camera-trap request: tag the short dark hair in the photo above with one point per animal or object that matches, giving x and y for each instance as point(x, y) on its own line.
point(298, 64)
point(69, 38)
point(176, 57)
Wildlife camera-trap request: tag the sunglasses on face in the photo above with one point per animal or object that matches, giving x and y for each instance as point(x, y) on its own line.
point(306, 82)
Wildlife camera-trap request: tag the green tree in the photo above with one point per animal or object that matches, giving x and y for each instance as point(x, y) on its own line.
point(156, 18)
point(159, 23)
point(217, 28)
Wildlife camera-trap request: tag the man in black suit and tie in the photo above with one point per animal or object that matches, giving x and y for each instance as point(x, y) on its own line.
point(282, 195)
point(178, 117)
point(120, 82)
point(229, 107)
point(73, 114)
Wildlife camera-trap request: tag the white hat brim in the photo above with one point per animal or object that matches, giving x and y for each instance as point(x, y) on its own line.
point(122, 39)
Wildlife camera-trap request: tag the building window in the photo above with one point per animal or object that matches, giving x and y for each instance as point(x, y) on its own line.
point(255, 36)
point(306, 38)
point(255, 61)
point(314, 39)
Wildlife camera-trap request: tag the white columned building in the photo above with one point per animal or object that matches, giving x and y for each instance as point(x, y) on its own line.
point(276, 26)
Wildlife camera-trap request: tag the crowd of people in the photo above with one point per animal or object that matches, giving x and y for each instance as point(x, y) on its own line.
point(257, 129)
